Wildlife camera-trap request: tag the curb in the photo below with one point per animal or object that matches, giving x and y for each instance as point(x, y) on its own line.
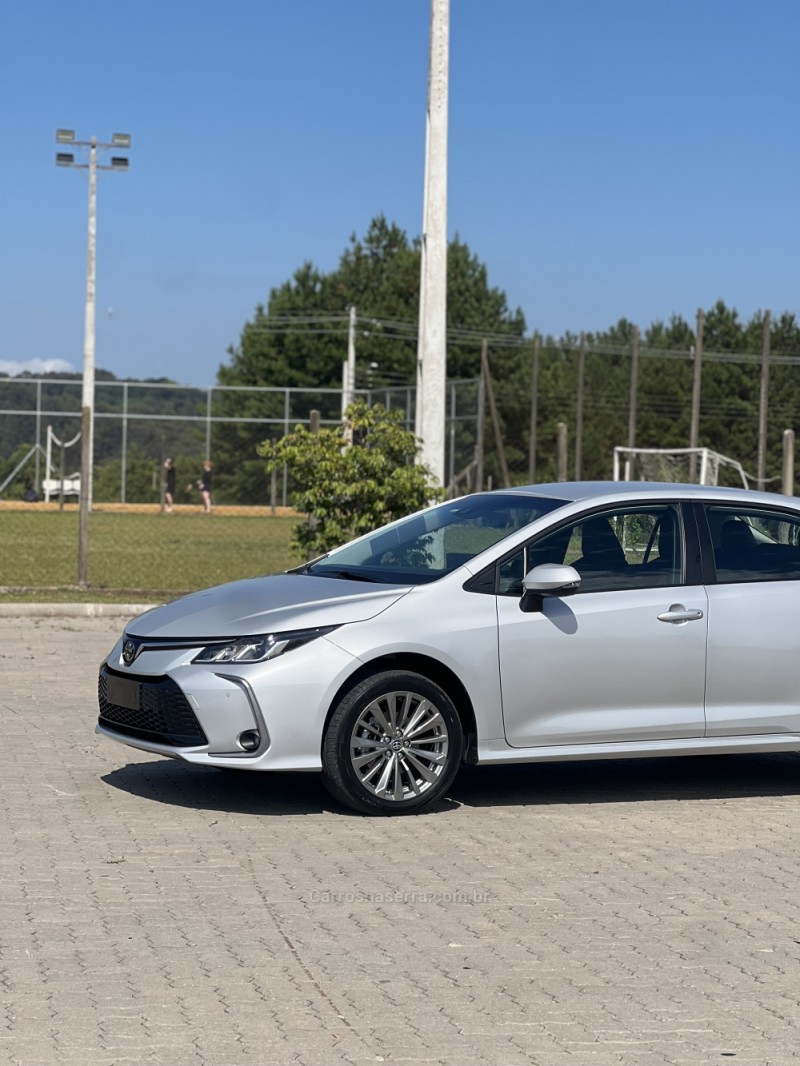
point(73, 610)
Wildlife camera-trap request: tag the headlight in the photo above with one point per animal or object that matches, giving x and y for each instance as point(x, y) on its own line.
point(258, 649)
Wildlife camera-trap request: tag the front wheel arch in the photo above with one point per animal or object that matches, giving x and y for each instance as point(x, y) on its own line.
point(427, 667)
point(393, 744)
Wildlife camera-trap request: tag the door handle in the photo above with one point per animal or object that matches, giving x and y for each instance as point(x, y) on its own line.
point(678, 614)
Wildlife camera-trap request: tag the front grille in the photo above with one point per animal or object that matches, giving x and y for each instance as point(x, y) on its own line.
point(163, 716)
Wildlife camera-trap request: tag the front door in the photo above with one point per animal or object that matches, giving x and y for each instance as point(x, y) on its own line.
point(621, 661)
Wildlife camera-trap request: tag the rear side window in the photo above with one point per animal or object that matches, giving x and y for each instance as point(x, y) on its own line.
point(751, 544)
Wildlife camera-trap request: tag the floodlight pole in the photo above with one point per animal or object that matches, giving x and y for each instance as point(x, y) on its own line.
point(67, 159)
point(87, 401)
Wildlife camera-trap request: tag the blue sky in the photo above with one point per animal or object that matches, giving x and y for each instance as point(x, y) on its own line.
point(607, 158)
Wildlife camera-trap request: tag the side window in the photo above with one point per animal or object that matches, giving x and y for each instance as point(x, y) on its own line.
point(511, 573)
point(614, 550)
point(552, 548)
point(754, 545)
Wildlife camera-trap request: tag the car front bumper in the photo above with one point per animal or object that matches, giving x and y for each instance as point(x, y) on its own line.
point(259, 716)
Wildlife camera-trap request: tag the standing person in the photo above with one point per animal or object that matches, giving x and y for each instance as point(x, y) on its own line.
point(169, 485)
point(204, 484)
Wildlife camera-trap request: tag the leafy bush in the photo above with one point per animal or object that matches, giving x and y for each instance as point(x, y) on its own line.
point(346, 488)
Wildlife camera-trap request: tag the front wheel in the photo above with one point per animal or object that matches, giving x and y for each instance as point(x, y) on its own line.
point(393, 744)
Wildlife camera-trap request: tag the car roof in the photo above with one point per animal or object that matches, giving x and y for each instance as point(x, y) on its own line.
point(574, 491)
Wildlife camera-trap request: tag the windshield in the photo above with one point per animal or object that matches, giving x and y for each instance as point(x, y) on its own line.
point(429, 545)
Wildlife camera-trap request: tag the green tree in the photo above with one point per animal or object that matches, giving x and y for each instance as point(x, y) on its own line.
point(350, 489)
point(142, 476)
point(299, 339)
point(17, 487)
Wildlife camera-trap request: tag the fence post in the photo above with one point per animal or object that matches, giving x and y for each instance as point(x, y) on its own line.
point(534, 411)
point(788, 462)
point(37, 476)
point(273, 485)
point(124, 456)
point(286, 395)
point(694, 427)
point(579, 408)
point(313, 425)
point(634, 394)
point(763, 402)
point(498, 438)
point(480, 429)
point(208, 422)
point(62, 474)
point(561, 451)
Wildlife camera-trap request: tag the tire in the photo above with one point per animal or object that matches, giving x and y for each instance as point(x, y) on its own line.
point(393, 744)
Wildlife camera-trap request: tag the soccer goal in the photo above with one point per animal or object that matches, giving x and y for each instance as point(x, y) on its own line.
point(699, 466)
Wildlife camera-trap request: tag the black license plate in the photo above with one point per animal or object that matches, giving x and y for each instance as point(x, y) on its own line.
point(122, 692)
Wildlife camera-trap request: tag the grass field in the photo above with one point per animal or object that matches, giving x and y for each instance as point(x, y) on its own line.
point(133, 556)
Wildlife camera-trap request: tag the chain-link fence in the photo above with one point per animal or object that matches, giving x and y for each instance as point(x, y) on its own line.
point(137, 425)
point(538, 412)
point(556, 412)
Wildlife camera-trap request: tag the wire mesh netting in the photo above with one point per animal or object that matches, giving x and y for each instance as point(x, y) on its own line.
point(538, 412)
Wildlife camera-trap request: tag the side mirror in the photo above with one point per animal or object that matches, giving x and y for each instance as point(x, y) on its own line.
point(547, 579)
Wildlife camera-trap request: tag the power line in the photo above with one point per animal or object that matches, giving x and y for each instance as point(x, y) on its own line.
point(336, 324)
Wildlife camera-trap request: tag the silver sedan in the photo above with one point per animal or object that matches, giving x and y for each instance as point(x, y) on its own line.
point(567, 621)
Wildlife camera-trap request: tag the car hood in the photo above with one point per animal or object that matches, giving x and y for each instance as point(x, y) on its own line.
point(266, 605)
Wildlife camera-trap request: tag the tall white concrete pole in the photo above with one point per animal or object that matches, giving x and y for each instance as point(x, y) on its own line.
point(349, 375)
point(87, 402)
point(351, 357)
point(432, 344)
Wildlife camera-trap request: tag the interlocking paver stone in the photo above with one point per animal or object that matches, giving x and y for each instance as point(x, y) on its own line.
point(585, 914)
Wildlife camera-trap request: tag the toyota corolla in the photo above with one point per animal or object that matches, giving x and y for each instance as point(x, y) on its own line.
point(567, 621)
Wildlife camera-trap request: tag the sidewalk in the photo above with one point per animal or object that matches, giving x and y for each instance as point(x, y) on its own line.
point(581, 914)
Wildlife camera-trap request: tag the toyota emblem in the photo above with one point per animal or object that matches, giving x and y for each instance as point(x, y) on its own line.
point(129, 650)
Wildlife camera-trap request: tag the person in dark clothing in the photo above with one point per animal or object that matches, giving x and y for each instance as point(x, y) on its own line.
point(169, 485)
point(204, 485)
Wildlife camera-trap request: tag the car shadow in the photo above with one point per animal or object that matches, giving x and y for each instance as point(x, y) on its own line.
point(202, 788)
point(697, 777)
point(530, 784)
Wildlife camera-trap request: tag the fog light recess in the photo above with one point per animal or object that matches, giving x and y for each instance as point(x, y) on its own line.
point(249, 740)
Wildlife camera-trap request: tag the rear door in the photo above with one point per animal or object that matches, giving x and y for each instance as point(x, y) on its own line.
point(753, 684)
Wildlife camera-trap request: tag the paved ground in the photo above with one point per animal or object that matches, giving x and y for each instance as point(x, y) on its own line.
point(634, 914)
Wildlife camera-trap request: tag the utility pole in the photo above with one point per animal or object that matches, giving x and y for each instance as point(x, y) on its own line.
point(118, 162)
point(349, 370)
point(432, 344)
